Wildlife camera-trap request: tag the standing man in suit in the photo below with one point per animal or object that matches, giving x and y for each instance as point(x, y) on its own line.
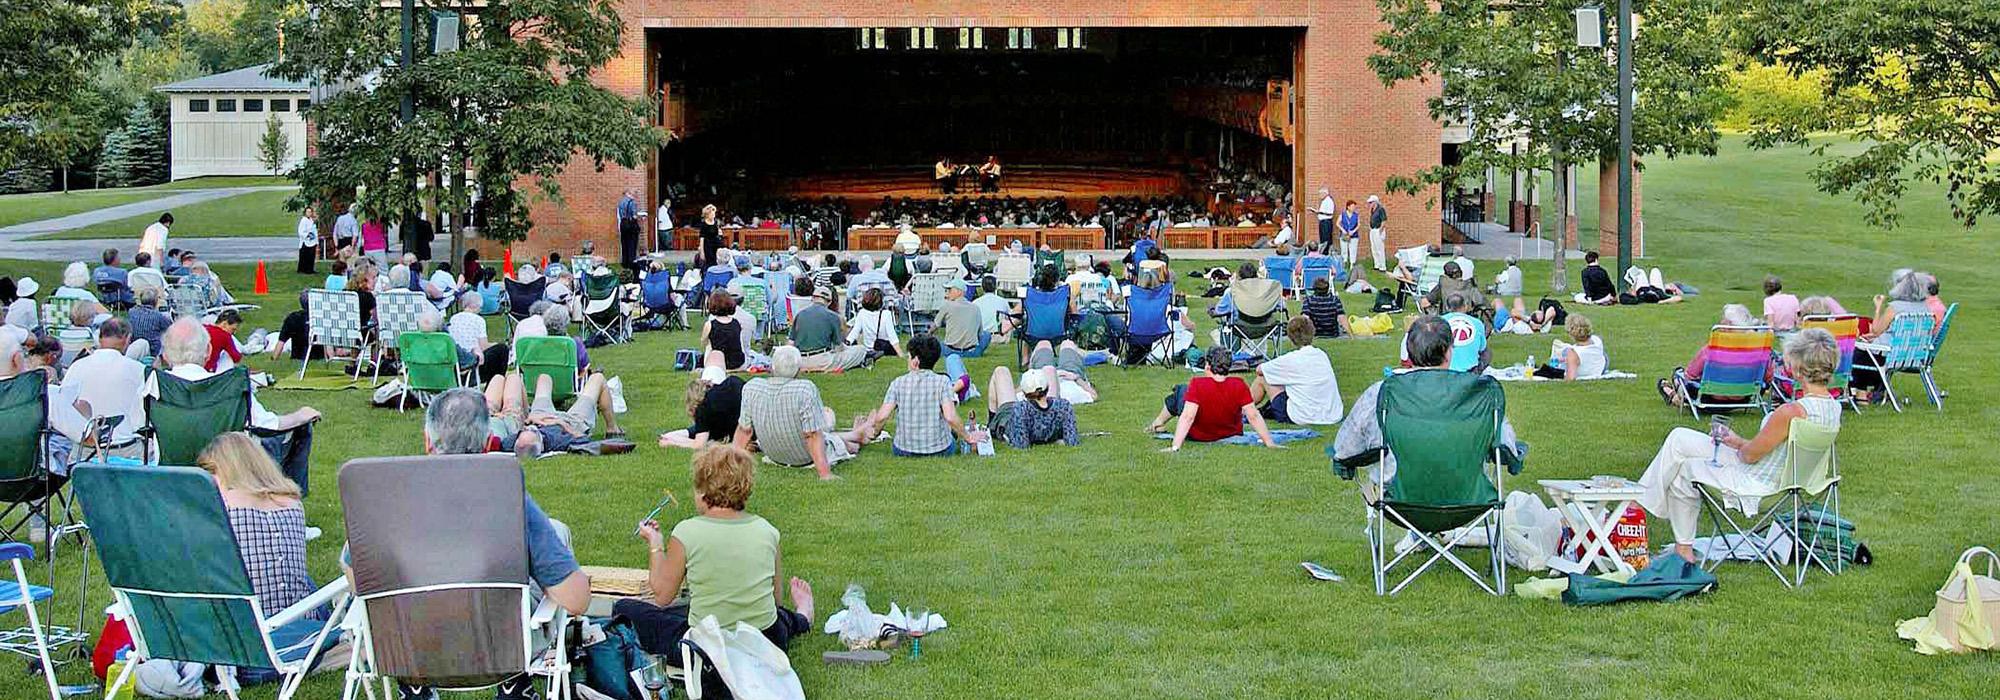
point(628, 229)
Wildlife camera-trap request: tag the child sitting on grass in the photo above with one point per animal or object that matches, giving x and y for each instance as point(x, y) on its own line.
point(727, 558)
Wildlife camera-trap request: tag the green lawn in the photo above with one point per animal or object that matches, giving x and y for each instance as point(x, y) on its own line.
point(1112, 570)
point(22, 208)
point(249, 214)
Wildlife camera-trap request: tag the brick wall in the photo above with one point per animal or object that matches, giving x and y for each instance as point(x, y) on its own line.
point(1354, 133)
point(1607, 212)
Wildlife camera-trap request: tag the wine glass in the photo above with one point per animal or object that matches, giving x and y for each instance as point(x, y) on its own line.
point(654, 678)
point(919, 625)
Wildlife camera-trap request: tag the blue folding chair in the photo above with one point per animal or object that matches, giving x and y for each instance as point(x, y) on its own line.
point(31, 641)
point(1148, 324)
point(1284, 269)
point(1045, 316)
point(1314, 269)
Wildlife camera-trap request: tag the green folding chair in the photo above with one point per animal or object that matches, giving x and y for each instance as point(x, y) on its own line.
point(430, 364)
point(1443, 429)
point(28, 485)
point(178, 581)
point(184, 416)
point(551, 356)
point(1809, 481)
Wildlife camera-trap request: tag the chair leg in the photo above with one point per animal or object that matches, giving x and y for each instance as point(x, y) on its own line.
point(1930, 386)
point(35, 629)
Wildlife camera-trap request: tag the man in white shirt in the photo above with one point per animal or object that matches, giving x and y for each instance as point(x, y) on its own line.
point(1300, 384)
point(184, 347)
point(154, 240)
point(308, 241)
point(1325, 213)
point(1464, 264)
point(663, 225)
point(468, 330)
point(112, 384)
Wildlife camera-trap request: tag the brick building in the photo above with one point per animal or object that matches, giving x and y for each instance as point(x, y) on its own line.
point(1348, 131)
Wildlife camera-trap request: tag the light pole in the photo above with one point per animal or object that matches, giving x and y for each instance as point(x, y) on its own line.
point(1624, 141)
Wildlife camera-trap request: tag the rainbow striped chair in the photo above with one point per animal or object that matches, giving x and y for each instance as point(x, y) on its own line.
point(1739, 358)
point(1846, 330)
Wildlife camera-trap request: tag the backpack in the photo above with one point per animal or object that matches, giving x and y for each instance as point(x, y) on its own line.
point(1091, 331)
point(608, 664)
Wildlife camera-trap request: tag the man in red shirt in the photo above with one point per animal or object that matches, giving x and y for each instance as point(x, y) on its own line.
point(1213, 406)
point(222, 341)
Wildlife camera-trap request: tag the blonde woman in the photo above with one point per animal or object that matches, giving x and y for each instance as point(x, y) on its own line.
point(269, 521)
point(1580, 358)
point(714, 401)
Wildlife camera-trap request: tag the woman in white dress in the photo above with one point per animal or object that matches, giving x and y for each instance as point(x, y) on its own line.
point(1744, 467)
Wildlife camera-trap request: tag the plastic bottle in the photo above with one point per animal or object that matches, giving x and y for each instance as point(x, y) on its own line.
point(111, 675)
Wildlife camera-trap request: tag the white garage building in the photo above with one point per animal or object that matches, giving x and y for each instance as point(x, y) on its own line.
point(217, 121)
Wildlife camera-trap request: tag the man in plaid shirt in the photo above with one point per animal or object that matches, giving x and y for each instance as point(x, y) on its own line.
point(925, 406)
point(783, 415)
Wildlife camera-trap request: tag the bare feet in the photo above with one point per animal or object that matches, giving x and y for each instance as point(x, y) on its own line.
point(802, 597)
point(1685, 550)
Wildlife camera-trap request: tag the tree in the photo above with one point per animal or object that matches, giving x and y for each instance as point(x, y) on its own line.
point(1918, 81)
point(275, 148)
point(136, 153)
point(514, 104)
point(48, 53)
point(1513, 74)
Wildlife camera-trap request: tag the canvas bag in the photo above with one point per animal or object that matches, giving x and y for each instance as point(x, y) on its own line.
point(1968, 605)
point(1668, 577)
point(752, 667)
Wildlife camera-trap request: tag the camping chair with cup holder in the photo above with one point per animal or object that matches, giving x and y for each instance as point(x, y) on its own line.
point(604, 309)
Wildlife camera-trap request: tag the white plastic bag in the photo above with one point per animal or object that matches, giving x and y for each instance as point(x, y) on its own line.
point(1532, 531)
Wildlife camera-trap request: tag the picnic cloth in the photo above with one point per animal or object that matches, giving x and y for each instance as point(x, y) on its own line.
point(1278, 436)
point(1518, 374)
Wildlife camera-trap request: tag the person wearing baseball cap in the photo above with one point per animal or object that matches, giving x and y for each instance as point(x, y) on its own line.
point(958, 323)
point(1031, 415)
point(818, 333)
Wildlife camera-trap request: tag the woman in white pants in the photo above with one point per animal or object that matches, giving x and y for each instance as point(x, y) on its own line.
point(1743, 467)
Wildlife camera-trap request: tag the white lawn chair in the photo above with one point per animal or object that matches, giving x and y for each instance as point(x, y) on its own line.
point(333, 321)
point(396, 313)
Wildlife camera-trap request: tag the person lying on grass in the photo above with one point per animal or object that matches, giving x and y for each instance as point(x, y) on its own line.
point(1213, 406)
point(714, 401)
point(728, 560)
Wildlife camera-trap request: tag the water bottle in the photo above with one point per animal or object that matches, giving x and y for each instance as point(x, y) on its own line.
point(1531, 362)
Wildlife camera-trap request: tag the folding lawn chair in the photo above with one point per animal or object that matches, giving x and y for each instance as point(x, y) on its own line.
point(1846, 331)
point(1148, 324)
point(711, 280)
point(521, 297)
point(656, 291)
point(396, 313)
point(1045, 316)
point(1314, 269)
point(926, 298)
point(1433, 270)
point(1284, 269)
point(1911, 347)
point(603, 310)
point(333, 321)
point(1260, 335)
point(779, 286)
point(1012, 271)
point(1443, 430)
point(553, 356)
point(115, 295)
point(440, 569)
point(947, 264)
point(55, 314)
point(178, 580)
point(186, 415)
point(756, 301)
point(1046, 258)
point(430, 365)
point(29, 485)
point(1809, 481)
point(32, 641)
point(1739, 358)
point(191, 297)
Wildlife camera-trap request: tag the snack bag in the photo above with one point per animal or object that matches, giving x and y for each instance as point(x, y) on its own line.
point(1628, 538)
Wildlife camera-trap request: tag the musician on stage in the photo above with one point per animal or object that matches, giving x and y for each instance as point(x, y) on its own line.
point(989, 175)
point(946, 176)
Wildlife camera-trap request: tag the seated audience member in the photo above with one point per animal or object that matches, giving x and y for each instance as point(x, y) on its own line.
point(555, 323)
point(1931, 300)
point(1744, 467)
point(873, 326)
point(213, 293)
point(866, 277)
point(1469, 352)
point(1298, 387)
point(269, 521)
point(996, 311)
point(1690, 375)
point(1360, 443)
point(491, 291)
point(1907, 290)
point(337, 280)
point(1455, 281)
point(19, 298)
point(1781, 308)
point(183, 351)
point(143, 273)
point(957, 324)
point(783, 417)
point(1250, 296)
point(112, 381)
point(1597, 286)
point(222, 351)
point(1322, 305)
point(76, 283)
point(458, 422)
point(924, 405)
point(1213, 406)
point(294, 336)
point(468, 332)
point(1508, 282)
point(533, 429)
point(110, 273)
point(714, 400)
point(147, 320)
point(728, 560)
point(1820, 306)
point(1030, 415)
point(816, 332)
point(1580, 358)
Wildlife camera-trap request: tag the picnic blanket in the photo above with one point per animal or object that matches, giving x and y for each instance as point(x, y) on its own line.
point(1278, 436)
point(1520, 374)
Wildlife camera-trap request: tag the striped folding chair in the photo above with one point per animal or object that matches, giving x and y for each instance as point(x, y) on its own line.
point(1846, 330)
point(1739, 359)
point(396, 313)
point(333, 321)
point(1908, 347)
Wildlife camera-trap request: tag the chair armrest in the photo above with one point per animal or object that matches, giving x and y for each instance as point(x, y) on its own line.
point(546, 612)
point(326, 594)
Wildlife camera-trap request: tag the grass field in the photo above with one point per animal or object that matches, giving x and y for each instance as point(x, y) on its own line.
point(1112, 570)
point(249, 214)
point(21, 208)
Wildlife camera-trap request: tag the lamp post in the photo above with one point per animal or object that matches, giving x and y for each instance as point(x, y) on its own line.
point(1624, 141)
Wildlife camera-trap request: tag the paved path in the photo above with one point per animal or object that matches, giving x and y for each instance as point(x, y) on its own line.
point(14, 243)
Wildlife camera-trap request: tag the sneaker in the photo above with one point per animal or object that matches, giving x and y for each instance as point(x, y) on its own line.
point(415, 692)
point(517, 688)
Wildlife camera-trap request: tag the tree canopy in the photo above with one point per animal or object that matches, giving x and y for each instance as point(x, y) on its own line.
point(1513, 74)
point(514, 102)
point(49, 51)
point(1917, 81)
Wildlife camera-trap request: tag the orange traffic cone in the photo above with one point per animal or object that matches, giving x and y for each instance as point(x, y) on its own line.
point(507, 263)
point(263, 285)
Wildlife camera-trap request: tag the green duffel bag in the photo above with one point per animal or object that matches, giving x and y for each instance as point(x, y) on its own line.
point(1668, 577)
